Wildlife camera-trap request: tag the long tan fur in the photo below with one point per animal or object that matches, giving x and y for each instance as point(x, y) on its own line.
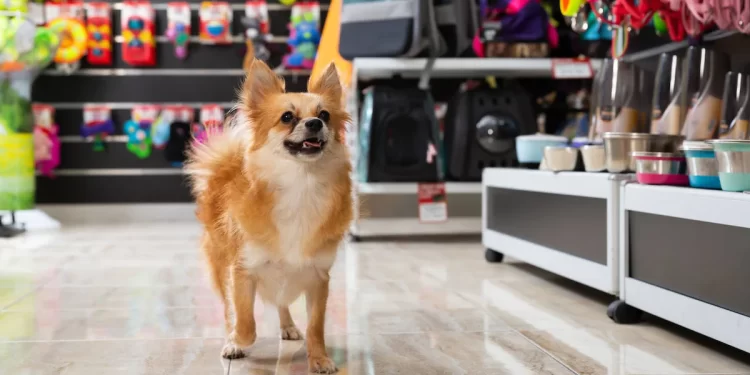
point(273, 222)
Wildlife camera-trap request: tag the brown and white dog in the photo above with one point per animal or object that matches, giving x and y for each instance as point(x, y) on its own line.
point(274, 194)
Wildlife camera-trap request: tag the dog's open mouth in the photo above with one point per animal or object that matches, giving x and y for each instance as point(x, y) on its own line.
point(309, 146)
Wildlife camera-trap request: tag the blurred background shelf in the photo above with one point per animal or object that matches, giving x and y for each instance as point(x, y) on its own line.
point(374, 68)
point(411, 188)
point(391, 209)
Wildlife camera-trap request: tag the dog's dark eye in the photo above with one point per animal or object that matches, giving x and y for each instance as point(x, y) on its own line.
point(324, 116)
point(287, 117)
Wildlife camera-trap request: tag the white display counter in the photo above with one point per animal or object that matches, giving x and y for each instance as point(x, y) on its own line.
point(684, 257)
point(565, 223)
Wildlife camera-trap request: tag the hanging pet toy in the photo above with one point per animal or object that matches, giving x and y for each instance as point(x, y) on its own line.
point(73, 42)
point(304, 36)
point(215, 22)
point(256, 32)
point(99, 27)
point(97, 125)
point(139, 46)
point(138, 130)
point(46, 140)
point(178, 30)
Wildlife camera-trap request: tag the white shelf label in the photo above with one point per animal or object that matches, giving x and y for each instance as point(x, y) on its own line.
point(572, 69)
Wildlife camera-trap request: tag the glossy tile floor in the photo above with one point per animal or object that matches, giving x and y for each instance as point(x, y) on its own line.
point(132, 299)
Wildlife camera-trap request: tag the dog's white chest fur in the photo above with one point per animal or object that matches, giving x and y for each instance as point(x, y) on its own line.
point(301, 200)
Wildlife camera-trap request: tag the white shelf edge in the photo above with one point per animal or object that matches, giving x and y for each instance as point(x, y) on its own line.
point(583, 184)
point(712, 206)
point(371, 68)
point(381, 188)
point(715, 322)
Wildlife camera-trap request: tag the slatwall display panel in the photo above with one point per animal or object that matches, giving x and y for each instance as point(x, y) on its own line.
point(138, 89)
point(81, 155)
point(113, 189)
point(210, 74)
point(200, 56)
point(144, 89)
point(70, 120)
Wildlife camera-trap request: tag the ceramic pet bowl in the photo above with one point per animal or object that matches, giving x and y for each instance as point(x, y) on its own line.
point(560, 158)
point(594, 158)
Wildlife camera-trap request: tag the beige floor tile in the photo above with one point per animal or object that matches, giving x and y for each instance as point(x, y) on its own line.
point(111, 324)
point(78, 313)
point(423, 354)
point(539, 303)
point(125, 357)
point(637, 349)
point(137, 301)
point(121, 297)
point(131, 275)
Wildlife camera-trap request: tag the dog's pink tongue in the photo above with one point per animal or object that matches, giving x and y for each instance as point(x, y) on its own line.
point(311, 144)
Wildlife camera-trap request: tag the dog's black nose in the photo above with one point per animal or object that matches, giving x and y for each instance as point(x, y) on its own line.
point(314, 125)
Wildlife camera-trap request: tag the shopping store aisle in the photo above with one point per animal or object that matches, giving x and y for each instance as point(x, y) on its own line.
point(132, 299)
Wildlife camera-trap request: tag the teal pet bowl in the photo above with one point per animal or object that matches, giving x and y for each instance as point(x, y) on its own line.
point(733, 163)
point(701, 165)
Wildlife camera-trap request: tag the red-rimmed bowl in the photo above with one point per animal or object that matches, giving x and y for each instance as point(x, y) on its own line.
point(661, 168)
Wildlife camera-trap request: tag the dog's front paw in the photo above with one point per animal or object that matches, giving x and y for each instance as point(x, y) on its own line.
point(291, 333)
point(321, 365)
point(233, 350)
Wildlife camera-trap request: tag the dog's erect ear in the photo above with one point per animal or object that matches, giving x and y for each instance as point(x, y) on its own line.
point(328, 84)
point(260, 83)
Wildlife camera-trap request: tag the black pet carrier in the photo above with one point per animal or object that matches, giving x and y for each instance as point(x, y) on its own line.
point(480, 130)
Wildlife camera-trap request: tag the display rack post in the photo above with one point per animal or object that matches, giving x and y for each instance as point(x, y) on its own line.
point(11, 230)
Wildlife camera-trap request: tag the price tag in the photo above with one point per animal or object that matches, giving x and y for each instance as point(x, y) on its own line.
point(572, 69)
point(433, 205)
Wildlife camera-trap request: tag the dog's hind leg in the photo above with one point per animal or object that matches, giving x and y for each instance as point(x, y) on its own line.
point(218, 270)
point(243, 287)
point(289, 330)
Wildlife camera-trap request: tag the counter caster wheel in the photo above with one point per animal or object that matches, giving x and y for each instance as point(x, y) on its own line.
point(493, 256)
point(622, 313)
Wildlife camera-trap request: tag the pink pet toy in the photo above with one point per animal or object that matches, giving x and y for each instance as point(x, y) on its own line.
point(46, 140)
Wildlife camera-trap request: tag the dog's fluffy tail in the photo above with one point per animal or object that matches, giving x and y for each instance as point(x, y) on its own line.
point(217, 157)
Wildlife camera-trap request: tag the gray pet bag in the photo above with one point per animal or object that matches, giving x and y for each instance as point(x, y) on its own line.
point(458, 22)
point(385, 28)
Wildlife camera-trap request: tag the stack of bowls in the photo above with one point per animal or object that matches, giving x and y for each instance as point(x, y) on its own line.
point(701, 165)
point(733, 163)
point(619, 147)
